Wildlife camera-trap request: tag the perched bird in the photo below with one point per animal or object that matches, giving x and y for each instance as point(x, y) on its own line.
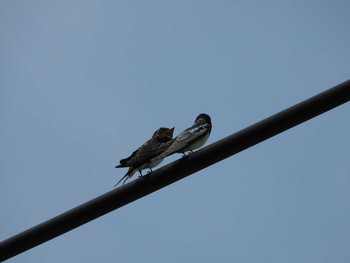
point(192, 138)
point(144, 156)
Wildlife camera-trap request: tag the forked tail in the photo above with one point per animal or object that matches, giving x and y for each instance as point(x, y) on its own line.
point(128, 175)
point(125, 177)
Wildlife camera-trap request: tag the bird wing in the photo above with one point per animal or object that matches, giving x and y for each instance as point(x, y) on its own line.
point(146, 153)
point(129, 161)
point(152, 152)
point(188, 137)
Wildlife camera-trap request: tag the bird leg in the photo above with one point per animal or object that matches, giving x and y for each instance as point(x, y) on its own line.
point(188, 154)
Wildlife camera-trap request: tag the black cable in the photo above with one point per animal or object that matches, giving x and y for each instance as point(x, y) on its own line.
point(175, 171)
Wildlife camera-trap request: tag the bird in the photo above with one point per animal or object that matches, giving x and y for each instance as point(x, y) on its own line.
point(145, 156)
point(192, 138)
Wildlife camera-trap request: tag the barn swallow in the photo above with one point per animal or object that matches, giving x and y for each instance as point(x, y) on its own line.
point(192, 138)
point(145, 156)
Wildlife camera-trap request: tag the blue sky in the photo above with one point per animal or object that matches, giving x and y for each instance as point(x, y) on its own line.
point(84, 83)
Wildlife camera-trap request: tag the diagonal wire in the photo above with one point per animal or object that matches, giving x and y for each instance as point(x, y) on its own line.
point(176, 170)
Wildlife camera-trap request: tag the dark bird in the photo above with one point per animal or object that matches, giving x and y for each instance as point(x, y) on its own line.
point(192, 138)
point(145, 156)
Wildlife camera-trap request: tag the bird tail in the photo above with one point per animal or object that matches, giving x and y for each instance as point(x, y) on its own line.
point(123, 163)
point(128, 175)
point(125, 177)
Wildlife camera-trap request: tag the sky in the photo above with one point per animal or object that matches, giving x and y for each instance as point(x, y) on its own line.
point(84, 83)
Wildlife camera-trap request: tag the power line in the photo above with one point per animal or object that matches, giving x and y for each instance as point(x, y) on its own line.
point(175, 171)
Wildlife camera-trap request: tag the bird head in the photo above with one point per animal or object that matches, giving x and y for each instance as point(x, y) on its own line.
point(203, 118)
point(164, 134)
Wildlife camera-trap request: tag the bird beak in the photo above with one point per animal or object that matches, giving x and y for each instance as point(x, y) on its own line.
point(170, 132)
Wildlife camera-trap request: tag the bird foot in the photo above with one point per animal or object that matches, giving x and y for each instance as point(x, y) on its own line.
point(186, 154)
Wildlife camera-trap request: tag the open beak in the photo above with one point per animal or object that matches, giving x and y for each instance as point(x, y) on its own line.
point(170, 132)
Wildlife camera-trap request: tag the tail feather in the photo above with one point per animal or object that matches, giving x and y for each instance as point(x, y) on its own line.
point(123, 163)
point(125, 177)
point(128, 175)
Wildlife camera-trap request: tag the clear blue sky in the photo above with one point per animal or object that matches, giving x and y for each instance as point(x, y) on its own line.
point(84, 83)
